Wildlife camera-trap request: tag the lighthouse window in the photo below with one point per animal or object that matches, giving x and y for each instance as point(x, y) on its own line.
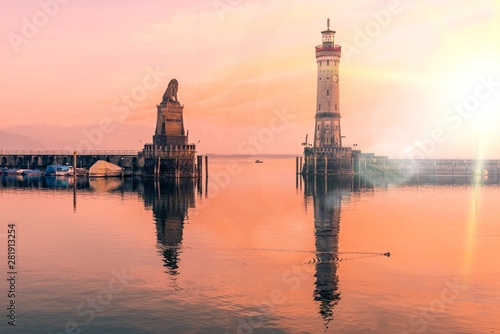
point(335, 106)
point(328, 94)
point(328, 63)
point(319, 107)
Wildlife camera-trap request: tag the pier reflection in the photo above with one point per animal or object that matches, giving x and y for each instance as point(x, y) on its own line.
point(326, 194)
point(170, 200)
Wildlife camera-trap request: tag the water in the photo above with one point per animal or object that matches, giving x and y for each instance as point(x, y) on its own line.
point(260, 252)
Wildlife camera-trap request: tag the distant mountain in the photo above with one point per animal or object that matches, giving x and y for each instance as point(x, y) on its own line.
point(12, 141)
point(118, 136)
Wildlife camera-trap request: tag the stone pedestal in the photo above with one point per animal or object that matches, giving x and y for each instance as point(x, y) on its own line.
point(327, 161)
point(170, 125)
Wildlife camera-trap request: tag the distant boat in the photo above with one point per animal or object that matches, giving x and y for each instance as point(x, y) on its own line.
point(32, 172)
point(102, 168)
point(258, 161)
point(59, 170)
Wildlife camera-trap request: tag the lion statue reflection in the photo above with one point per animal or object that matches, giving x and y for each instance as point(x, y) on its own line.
point(171, 92)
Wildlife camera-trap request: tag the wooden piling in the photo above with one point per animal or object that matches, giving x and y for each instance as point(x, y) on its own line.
point(74, 165)
point(199, 164)
point(296, 165)
point(326, 165)
point(158, 168)
point(178, 168)
point(206, 166)
point(300, 164)
point(315, 164)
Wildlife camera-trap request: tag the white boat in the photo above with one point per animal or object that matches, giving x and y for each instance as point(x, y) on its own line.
point(32, 172)
point(59, 170)
point(103, 168)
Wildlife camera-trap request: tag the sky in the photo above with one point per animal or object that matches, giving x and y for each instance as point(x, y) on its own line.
point(417, 78)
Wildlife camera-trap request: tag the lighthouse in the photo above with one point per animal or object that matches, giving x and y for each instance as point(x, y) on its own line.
point(326, 155)
point(327, 129)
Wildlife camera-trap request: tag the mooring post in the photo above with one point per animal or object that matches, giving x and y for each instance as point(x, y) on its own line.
point(178, 169)
point(154, 168)
point(199, 164)
point(158, 169)
point(206, 166)
point(300, 164)
point(315, 164)
point(74, 165)
point(296, 165)
point(326, 165)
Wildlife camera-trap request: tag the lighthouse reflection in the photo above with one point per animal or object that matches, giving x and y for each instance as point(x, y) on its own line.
point(170, 200)
point(326, 194)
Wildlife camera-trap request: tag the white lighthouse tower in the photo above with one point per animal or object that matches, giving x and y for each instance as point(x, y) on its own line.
point(327, 128)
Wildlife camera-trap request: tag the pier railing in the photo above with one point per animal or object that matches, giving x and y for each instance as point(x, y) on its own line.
point(336, 151)
point(320, 48)
point(155, 151)
point(69, 152)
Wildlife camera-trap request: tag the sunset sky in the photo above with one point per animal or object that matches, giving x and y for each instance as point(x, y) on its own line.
point(416, 77)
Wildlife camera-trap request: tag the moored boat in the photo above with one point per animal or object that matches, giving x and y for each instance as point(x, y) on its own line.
point(81, 172)
point(258, 161)
point(59, 170)
point(10, 171)
point(32, 172)
point(102, 168)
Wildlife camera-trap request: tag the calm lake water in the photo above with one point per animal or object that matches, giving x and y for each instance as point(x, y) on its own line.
point(256, 252)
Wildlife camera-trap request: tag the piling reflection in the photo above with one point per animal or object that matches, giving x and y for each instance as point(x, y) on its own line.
point(326, 194)
point(170, 200)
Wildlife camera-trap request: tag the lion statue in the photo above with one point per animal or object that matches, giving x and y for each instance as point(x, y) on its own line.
point(171, 92)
